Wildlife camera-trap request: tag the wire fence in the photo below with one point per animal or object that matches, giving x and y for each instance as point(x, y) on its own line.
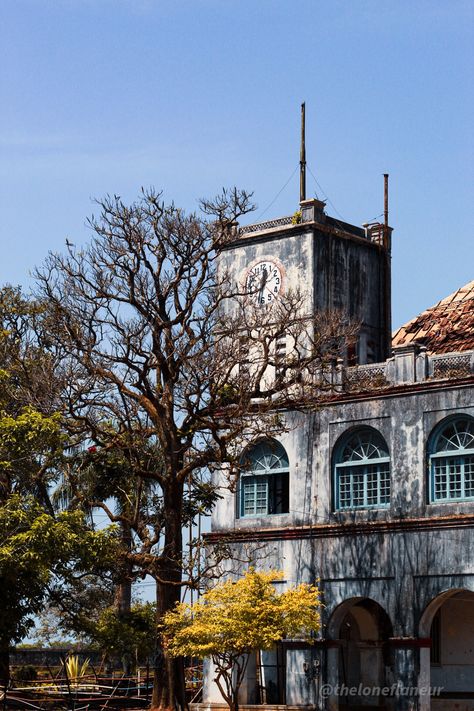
point(90, 691)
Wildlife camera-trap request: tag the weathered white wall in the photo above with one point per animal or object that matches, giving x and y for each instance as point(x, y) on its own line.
point(456, 672)
point(301, 686)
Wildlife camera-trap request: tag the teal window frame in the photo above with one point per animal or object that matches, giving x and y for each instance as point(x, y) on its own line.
point(264, 481)
point(362, 471)
point(451, 461)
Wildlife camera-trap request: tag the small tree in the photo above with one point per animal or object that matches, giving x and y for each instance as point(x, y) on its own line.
point(234, 619)
point(39, 549)
point(128, 637)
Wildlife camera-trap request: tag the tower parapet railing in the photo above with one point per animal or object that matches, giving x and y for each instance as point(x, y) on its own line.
point(409, 364)
point(267, 225)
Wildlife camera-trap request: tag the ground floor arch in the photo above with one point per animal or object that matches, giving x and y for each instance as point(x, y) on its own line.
point(359, 654)
point(448, 664)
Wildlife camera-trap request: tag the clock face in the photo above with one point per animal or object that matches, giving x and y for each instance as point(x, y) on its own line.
point(264, 281)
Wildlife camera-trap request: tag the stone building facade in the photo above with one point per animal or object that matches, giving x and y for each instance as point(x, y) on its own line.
point(372, 493)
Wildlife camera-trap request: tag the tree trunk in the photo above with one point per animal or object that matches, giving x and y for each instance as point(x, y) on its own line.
point(169, 692)
point(123, 592)
point(4, 666)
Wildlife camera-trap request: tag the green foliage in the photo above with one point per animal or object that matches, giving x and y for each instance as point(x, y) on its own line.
point(27, 372)
point(29, 441)
point(104, 472)
point(37, 549)
point(131, 633)
point(30, 429)
point(31, 437)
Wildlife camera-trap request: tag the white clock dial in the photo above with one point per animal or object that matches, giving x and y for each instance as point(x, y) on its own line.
point(264, 281)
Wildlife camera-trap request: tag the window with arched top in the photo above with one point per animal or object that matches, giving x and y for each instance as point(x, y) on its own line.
point(362, 470)
point(451, 460)
point(264, 480)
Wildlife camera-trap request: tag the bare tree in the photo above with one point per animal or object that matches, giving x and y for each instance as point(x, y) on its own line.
point(167, 354)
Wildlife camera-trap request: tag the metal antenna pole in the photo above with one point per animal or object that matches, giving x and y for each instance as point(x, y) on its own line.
point(385, 199)
point(387, 271)
point(302, 156)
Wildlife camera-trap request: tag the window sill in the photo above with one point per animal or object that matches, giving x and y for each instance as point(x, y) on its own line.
point(456, 506)
point(361, 515)
point(265, 521)
point(375, 507)
point(254, 516)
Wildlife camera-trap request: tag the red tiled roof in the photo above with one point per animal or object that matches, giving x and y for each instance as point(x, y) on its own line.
point(446, 327)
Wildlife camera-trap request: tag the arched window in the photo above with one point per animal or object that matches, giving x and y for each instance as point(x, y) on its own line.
point(451, 455)
point(264, 480)
point(362, 471)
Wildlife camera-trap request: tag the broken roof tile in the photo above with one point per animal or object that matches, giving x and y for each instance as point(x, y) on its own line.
point(446, 327)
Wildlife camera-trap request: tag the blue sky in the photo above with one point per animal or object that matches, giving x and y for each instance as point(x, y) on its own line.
point(104, 96)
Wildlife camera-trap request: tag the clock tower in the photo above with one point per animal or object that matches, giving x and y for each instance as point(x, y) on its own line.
point(338, 266)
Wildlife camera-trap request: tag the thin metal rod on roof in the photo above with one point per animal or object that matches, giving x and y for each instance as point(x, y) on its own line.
point(302, 156)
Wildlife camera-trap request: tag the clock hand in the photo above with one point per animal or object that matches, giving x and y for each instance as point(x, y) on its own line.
point(263, 281)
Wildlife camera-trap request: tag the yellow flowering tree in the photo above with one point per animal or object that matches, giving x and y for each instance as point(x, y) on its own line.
point(236, 618)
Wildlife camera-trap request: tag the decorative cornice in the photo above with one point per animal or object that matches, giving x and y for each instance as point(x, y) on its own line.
point(282, 230)
point(339, 530)
point(398, 390)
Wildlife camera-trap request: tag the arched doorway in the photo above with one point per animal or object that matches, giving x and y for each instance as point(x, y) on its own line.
point(449, 622)
point(361, 657)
